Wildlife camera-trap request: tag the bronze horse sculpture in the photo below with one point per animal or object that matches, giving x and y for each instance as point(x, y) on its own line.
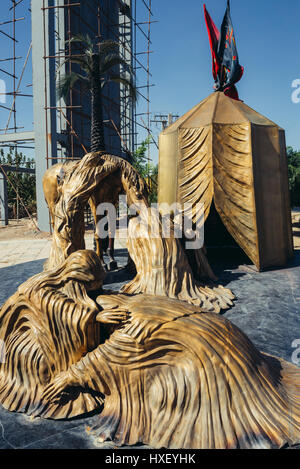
point(116, 176)
point(162, 263)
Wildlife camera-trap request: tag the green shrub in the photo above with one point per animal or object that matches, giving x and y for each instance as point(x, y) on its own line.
point(23, 182)
point(294, 175)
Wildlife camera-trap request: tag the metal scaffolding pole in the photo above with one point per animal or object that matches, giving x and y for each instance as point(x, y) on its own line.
point(3, 199)
point(62, 130)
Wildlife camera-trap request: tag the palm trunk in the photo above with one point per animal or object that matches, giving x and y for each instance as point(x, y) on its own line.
point(97, 133)
point(97, 126)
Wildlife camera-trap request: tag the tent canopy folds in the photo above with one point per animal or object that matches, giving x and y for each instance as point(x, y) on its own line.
point(223, 150)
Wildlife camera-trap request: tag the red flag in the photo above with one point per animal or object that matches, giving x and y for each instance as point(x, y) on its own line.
point(232, 92)
point(214, 36)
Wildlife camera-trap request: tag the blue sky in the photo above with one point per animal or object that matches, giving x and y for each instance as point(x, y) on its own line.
point(268, 39)
point(23, 35)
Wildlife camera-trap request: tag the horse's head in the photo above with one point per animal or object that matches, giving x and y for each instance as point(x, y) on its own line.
point(134, 185)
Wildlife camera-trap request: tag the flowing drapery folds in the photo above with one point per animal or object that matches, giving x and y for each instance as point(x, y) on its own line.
point(223, 151)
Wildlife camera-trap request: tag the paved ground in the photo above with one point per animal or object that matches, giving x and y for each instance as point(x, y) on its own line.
point(267, 308)
point(20, 259)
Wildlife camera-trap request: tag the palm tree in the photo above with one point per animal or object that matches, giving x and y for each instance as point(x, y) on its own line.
point(98, 67)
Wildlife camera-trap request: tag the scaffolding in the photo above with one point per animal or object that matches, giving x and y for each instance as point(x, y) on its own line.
point(12, 134)
point(122, 120)
point(10, 64)
point(64, 131)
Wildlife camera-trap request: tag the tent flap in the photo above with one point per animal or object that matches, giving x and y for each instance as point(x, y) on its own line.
point(195, 172)
point(233, 184)
point(223, 150)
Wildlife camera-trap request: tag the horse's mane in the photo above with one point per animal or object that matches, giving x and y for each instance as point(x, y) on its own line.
point(84, 175)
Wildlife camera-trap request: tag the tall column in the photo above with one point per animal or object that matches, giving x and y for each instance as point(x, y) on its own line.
point(126, 49)
point(3, 200)
point(43, 45)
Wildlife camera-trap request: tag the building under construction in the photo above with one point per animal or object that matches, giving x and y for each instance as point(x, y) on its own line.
point(61, 128)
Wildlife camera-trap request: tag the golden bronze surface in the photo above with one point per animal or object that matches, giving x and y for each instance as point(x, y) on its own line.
point(156, 360)
point(169, 375)
point(161, 263)
point(222, 150)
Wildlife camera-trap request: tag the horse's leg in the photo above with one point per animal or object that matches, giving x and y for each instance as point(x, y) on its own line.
point(112, 265)
point(97, 240)
point(111, 247)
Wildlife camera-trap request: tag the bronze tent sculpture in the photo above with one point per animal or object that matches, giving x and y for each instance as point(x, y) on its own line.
point(223, 150)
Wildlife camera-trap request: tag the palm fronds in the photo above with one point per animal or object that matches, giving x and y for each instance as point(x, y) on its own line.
point(97, 64)
point(108, 47)
point(110, 61)
point(123, 80)
point(82, 39)
point(65, 83)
